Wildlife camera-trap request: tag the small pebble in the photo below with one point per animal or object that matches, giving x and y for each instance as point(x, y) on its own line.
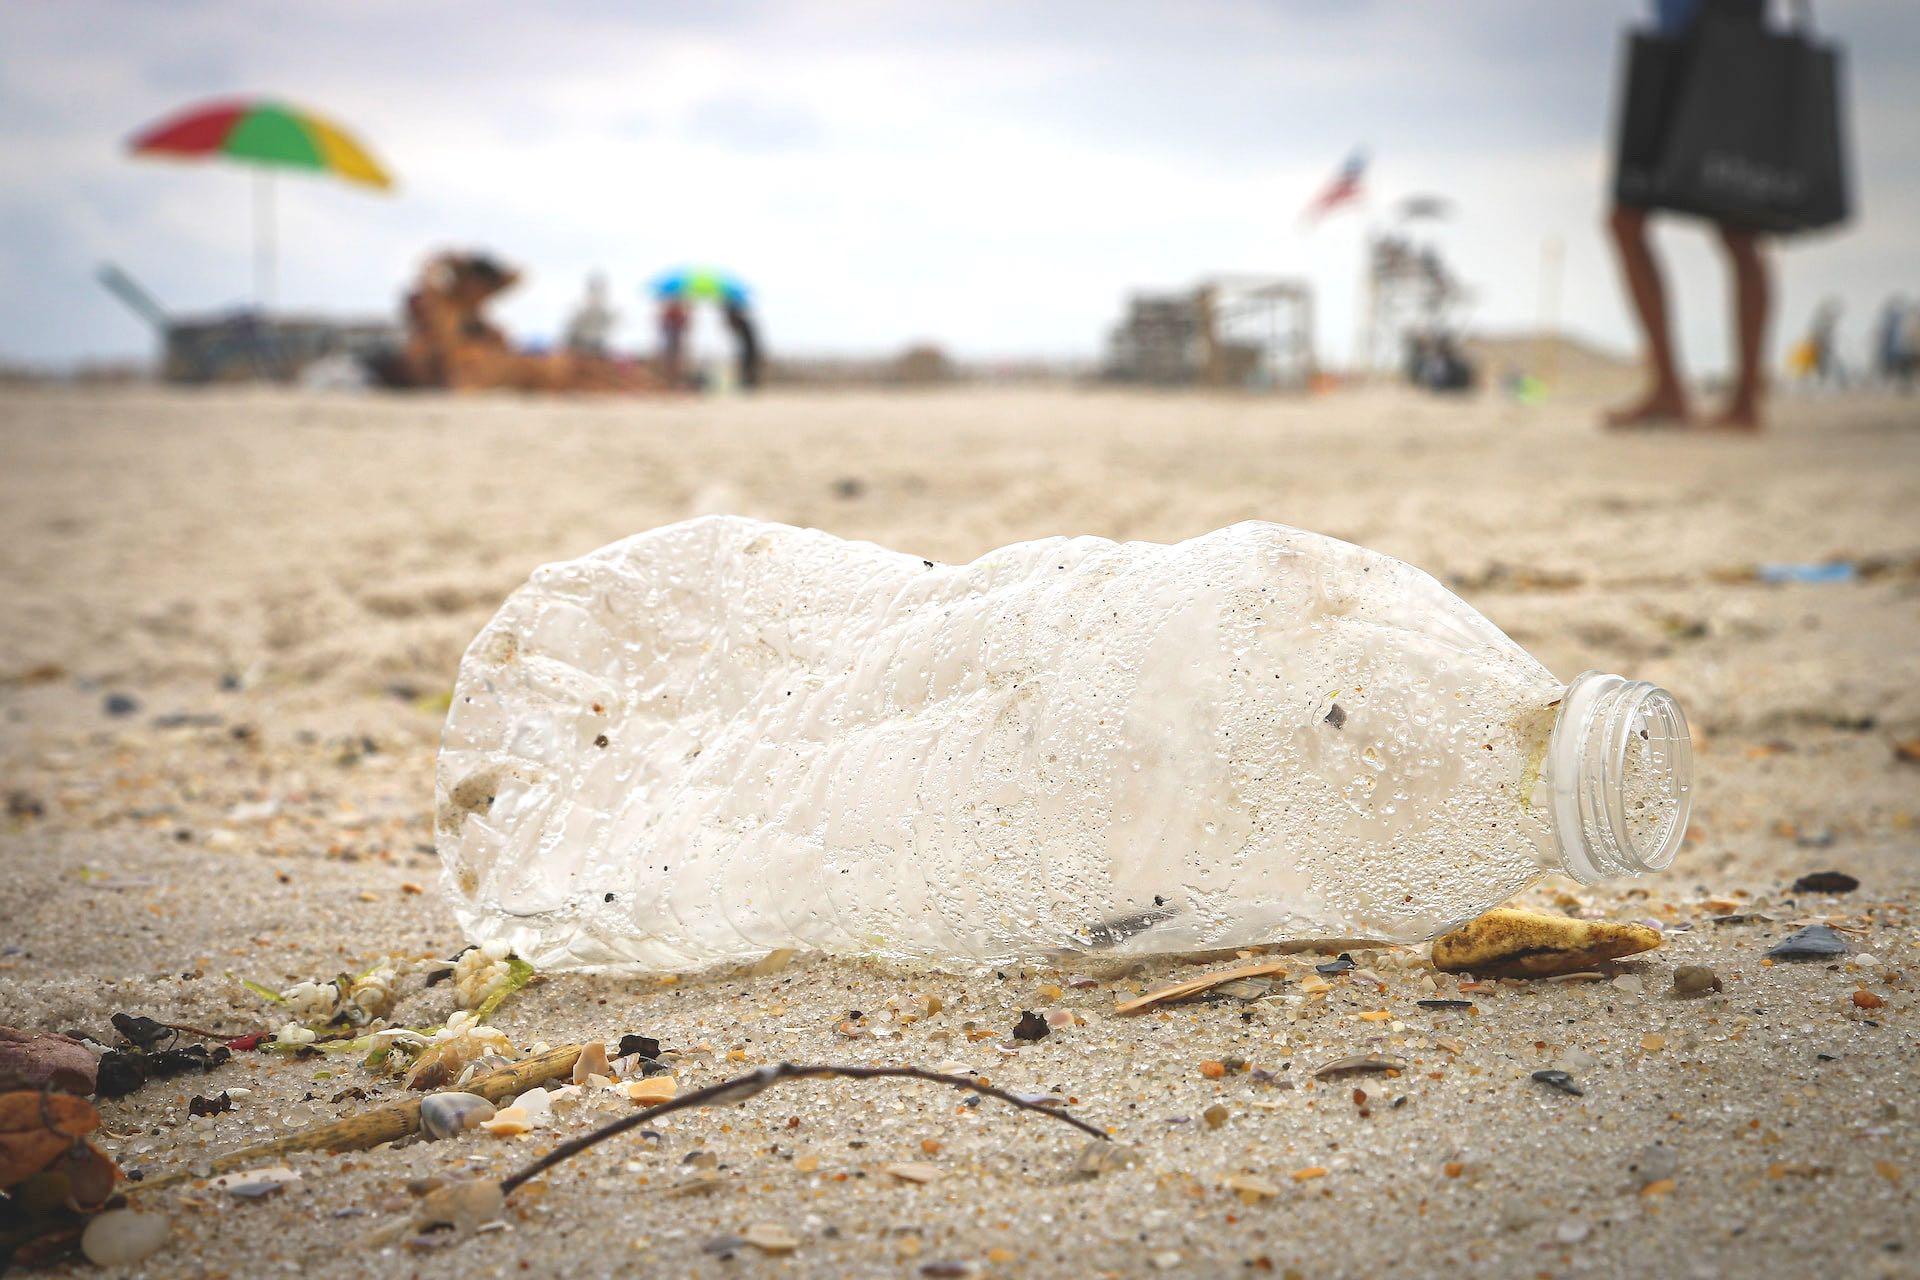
point(769, 1238)
point(1251, 1189)
point(1031, 1026)
point(121, 1237)
point(255, 1184)
point(1694, 980)
point(912, 1171)
point(1559, 1080)
point(1654, 1163)
point(722, 1246)
point(446, 1115)
point(1216, 1115)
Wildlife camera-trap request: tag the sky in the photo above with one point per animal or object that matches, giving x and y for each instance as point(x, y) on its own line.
point(991, 177)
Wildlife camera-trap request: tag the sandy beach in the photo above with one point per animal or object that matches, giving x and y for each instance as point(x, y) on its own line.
point(233, 619)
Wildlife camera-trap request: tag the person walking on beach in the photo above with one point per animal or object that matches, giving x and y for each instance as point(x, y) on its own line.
point(591, 325)
point(1893, 352)
point(746, 339)
point(1666, 403)
point(673, 340)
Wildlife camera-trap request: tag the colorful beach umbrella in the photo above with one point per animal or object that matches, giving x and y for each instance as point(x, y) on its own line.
point(693, 284)
point(270, 135)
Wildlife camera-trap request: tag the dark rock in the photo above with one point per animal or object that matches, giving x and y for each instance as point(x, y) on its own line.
point(120, 704)
point(1815, 942)
point(722, 1246)
point(645, 1046)
point(1335, 967)
point(219, 1102)
point(1031, 1026)
point(1560, 1080)
point(1826, 882)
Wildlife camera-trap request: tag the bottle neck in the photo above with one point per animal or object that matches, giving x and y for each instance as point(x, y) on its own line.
point(1618, 777)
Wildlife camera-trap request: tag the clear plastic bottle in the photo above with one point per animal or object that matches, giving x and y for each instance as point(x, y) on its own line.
point(725, 736)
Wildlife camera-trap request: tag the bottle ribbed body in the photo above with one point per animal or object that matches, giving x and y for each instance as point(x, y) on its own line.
point(726, 736)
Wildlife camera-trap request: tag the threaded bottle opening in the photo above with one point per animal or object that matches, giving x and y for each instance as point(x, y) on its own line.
point(1620, 774)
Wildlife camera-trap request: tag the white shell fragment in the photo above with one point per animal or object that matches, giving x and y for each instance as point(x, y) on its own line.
point(447, 1115)
point(121, 1237)
point(726, 738)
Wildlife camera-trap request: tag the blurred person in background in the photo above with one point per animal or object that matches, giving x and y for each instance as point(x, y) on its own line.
point(1823, 346)
point(1666, 403)
point(673, 339)
point(591, 325)
point(746, 342)
point(1893, 343)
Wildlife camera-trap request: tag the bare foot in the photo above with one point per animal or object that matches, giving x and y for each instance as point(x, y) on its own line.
point(1659, 409)
point(1738, 416)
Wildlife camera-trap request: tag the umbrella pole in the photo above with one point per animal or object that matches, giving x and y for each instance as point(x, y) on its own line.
point(263, 247)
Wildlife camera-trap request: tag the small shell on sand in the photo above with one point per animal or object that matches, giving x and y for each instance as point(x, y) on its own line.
point(121, 1237)
point(1527, 944)
point(508, 1122)
point(653, 1089)
point(593, 1062)
point(446, 1115)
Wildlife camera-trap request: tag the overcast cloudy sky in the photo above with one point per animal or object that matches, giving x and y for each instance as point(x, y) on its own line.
point(991, 176)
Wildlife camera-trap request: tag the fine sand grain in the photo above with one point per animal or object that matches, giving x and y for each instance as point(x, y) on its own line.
point(273, 593)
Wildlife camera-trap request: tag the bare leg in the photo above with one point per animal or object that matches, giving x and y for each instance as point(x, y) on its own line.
point(1667, 399)
point(1752, 300)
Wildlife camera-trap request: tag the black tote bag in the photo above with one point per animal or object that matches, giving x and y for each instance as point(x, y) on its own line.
point(1738, 123)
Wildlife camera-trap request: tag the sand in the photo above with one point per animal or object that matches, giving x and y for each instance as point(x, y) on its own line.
point(284, 584)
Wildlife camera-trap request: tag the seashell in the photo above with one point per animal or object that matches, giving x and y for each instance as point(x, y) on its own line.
point(592, 1062)
point(121, 1237)
point(255, 1184)
point(652, 1090)
point(507, 1122)
point(447, 1115)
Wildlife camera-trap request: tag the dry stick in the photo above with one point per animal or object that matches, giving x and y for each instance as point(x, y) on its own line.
point(740, 1088)
point(382, 1124)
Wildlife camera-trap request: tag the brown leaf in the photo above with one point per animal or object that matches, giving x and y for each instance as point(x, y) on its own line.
point(45, 1060)
point(36, 1129)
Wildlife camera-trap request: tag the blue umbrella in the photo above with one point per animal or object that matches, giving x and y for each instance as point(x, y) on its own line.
point(689, 284)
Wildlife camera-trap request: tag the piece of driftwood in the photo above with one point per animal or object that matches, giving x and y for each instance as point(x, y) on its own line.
point(1195, 986)
point(381, 1124)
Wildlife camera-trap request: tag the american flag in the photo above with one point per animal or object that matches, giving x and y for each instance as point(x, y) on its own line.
point(1344, 188)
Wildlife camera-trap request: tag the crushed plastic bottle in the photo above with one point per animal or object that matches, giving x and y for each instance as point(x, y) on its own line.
point(725, 737)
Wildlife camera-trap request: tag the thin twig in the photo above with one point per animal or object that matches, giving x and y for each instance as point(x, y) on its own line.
point(740, 1088)
point(203, 1033)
